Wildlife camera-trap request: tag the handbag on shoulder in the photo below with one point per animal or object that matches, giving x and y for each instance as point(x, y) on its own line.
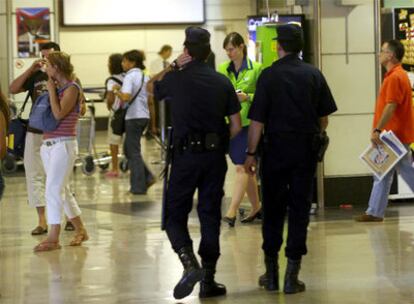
point(42, 117)
point(118, 119)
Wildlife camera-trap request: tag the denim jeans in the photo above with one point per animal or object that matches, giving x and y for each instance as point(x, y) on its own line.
point(378, 200)
point(140, 175)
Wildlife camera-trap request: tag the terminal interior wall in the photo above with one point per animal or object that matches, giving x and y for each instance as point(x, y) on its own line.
point(348, 62)
point(3, 47)
point(90, 47)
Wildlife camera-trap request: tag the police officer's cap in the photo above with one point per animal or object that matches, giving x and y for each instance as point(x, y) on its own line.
point(196, 35)
point(289, 32)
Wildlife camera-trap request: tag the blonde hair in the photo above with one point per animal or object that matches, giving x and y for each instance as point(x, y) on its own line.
point(61, 61)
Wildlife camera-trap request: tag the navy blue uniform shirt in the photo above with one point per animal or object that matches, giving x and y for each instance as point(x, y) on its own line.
point(291, 96)
point(200, 99)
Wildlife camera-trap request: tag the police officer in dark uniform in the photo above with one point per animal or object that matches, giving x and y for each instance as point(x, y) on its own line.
point(200, 100)
point(291, 107)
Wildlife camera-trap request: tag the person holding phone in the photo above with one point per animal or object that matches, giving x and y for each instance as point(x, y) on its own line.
point(59, 151)
point(243, 74)
point(201, 99)
point(34, 81)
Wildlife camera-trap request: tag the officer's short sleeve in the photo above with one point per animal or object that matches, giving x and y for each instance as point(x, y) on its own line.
point(233, 104)
point(162, 87)
point(259, 108)
point(326, 104)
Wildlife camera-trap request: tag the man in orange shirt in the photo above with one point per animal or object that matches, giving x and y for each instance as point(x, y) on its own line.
point(393, 111)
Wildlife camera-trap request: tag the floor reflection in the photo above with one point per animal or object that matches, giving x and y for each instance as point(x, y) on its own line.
point(129, 259)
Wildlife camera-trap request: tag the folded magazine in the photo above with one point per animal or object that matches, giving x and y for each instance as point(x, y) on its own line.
point(382, 158)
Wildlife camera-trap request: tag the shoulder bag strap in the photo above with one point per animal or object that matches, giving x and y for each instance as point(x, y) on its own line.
point(118, 81)
point(75, 84)
point(140, 88)
point(19, 115)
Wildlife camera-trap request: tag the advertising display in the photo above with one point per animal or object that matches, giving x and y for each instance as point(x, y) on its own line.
point(33, 29)
point(124, 12)
point(265, 45)
point(404, 31)
point(261, 46)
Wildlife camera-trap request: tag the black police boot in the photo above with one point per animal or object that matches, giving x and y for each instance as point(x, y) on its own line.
point(270, 279)
point(208, 286)
point(292, 283)
point(191, 275)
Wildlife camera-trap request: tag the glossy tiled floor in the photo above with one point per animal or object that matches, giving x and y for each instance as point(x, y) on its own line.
point(129, 260)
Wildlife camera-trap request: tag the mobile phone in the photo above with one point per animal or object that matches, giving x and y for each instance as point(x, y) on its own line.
point(43, 67)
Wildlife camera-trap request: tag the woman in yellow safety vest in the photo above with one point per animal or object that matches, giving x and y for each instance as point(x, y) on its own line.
point(243, 74)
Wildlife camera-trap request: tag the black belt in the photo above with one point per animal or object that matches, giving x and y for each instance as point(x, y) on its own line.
point(198, 142)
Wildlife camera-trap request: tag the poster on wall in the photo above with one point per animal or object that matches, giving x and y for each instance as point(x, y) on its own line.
point(404, 31)
point(255, 45)
point(33, 29)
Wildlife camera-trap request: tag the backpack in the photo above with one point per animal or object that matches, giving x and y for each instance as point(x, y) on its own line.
point(117, 80)
point(42, 117)
point(16, 134)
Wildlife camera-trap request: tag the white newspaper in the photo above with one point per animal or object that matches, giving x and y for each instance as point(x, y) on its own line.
point(381, 159)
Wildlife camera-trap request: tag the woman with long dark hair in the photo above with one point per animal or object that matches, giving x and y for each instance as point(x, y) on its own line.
point(243, 74)
point(113, 103)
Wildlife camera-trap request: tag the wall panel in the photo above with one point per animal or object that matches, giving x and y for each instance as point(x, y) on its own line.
point(352, 83)
point(349, 64)
point(349, 136)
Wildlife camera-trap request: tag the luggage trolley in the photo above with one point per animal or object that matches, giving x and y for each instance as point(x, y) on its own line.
point(85, 135)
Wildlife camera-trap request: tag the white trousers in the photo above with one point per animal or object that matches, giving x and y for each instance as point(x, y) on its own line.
point(58, 161)
point(33, 167)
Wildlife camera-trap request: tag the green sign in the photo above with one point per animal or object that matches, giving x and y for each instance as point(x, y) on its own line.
point(266, 46)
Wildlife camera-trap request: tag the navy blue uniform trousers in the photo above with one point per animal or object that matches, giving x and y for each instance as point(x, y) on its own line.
point(287, 172)
point(190, 171)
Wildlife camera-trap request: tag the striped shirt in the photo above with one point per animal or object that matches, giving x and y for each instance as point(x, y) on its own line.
point(67, 125)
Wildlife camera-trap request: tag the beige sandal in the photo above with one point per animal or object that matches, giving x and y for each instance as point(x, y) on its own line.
point(46, 246)
point(39, 230)
point(79, 238)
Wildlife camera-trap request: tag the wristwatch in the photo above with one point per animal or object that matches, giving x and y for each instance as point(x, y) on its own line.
point(250, 153)
point(174, 65)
